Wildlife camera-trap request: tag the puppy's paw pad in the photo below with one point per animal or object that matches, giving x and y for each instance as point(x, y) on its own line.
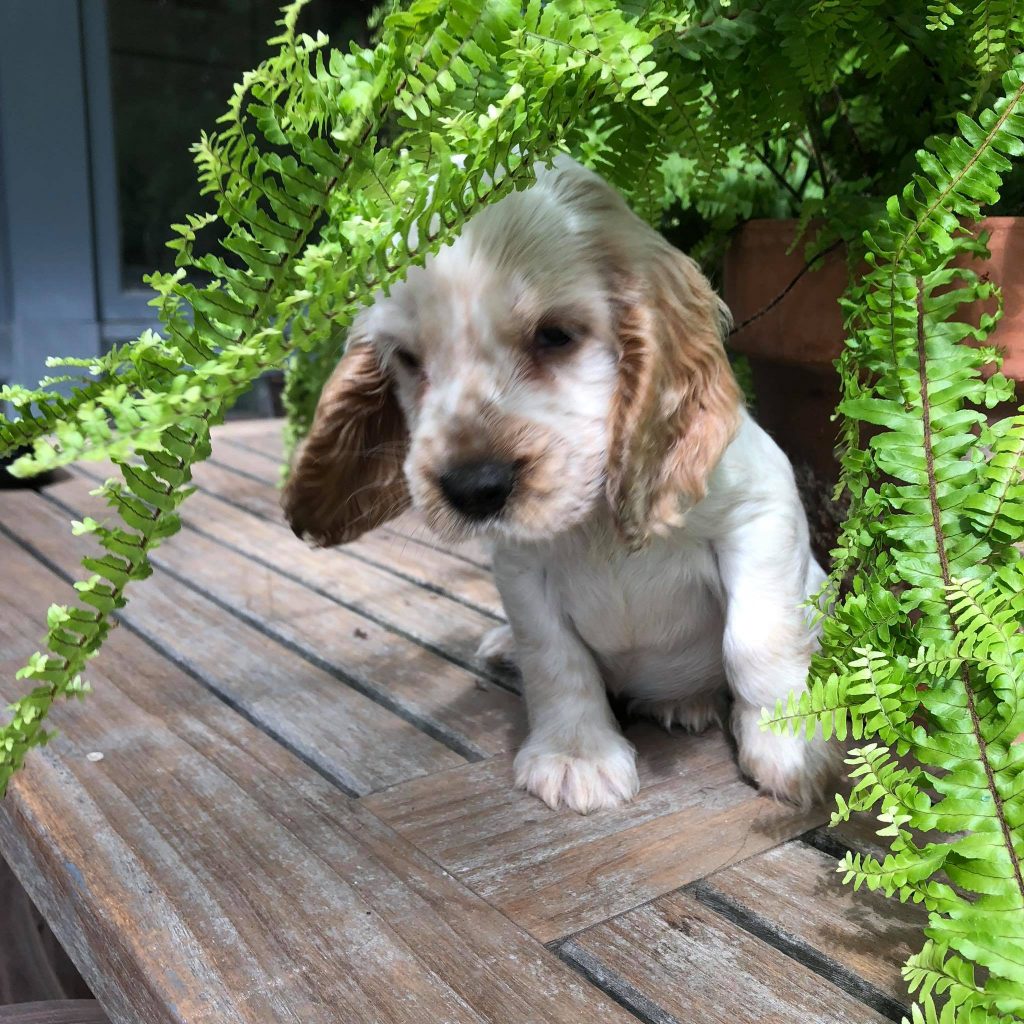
point(581, 783)
point(694, 714)
point(498, 648)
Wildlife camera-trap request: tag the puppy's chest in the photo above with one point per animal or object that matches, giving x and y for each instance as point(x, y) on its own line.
point(658, 599)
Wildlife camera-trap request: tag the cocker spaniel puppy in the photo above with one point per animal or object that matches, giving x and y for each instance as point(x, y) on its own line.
point(555, 380)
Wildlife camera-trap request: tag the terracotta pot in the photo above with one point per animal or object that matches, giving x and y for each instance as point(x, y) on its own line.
point(792, 345)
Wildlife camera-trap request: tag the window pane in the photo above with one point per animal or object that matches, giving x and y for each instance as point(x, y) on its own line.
point(172, 66)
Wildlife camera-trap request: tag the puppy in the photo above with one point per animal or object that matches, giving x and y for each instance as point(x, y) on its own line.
point(555, 380)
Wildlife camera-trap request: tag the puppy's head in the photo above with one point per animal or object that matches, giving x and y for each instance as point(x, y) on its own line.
point(558, 355)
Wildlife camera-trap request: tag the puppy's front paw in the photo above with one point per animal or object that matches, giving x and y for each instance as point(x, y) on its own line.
point(498, 648)
point(787, 767)
point(595, 775)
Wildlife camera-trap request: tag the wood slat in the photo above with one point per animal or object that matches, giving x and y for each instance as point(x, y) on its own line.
point(430, 616)
point(412, 554)
point(61, 1011)
point(423, 566)
point(794, 895)
point(262, 435)
point(676, 961)
point(441, 697)
point(200, 873)
point(555, 872)
point(351, 738)
point(238, 442)
point(260, 453)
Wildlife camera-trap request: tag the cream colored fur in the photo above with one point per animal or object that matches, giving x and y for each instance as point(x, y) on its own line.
point(654, 546)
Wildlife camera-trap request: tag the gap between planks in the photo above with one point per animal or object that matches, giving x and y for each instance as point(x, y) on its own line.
point(275, 460)
point(326, 764)
point(475, 667)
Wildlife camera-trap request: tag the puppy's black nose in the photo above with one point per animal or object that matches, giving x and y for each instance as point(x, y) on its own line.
point(479, 489)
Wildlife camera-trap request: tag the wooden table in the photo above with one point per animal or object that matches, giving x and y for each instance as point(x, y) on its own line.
point(303, 811)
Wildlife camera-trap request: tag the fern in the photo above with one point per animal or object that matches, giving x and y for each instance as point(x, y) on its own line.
point(938, 531)
point(332, 172)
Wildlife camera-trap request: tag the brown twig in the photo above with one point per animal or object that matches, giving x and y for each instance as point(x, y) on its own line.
point(789, 287)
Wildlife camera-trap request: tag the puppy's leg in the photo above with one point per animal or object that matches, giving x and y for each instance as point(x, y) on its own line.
point(575, 754)
point(767, 571)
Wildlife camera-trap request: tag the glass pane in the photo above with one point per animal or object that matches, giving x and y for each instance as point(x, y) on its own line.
point(172, 66)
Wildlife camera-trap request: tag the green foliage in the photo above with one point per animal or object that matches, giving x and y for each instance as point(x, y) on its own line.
point(145, 502)
point(892, 126)
point(935, 679)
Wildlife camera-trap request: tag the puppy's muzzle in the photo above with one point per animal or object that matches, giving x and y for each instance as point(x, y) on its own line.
point(478, 489)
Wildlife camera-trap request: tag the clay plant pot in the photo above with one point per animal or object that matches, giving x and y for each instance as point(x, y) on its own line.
point(792, 345)
point(792, 342)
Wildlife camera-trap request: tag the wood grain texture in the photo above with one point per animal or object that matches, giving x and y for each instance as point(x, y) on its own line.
point(428, 616)
point(63, 1011)
point(795, 893)
point(355, 740)
point(555, 872)
point(256, 447)
point(431, 617)
point(416, 563)
point(676, 962)
point(200, 873)
point(440, 697)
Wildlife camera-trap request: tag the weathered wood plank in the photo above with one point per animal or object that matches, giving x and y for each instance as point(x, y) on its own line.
point(471, 716)
point(676, 962)
point(260, 453)
point(200, 873)
point(62, 1011)
point(262, 435)
point(557, 872)
point(351, 738)
point(795, 894)
point(417, 564)
point(430, 617)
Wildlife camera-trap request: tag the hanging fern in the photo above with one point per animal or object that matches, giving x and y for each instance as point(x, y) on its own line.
point(331, 173)
point(933, 541)
point(317, 213)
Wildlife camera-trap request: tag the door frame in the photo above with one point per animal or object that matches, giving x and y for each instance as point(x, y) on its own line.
point(60, 271)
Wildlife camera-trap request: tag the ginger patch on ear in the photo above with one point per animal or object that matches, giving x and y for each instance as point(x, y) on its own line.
point(676, 407)
point(347, 476)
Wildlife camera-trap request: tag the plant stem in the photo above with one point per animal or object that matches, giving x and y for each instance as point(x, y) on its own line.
point(940, 547)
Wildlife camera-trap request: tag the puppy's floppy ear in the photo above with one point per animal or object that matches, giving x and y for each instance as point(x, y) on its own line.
point(347, 477)
point(677, 404)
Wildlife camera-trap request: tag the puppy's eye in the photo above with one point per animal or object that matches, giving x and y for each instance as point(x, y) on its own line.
point(407, 360)
point(552, 337)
